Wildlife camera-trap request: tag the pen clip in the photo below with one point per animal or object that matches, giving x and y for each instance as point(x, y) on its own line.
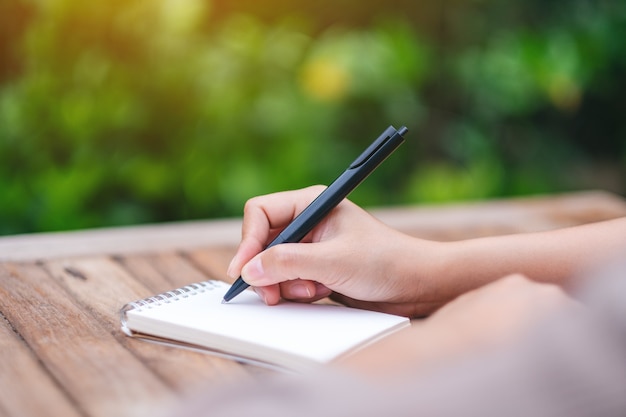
point(376, 145)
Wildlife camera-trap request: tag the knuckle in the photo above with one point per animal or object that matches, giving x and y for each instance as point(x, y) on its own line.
point(515, 280)
point(517, 277)
point(251, 205)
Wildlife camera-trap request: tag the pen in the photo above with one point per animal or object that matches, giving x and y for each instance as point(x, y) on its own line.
point(339, 189)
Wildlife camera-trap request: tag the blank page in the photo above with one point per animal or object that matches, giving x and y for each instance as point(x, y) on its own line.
point(293, 335)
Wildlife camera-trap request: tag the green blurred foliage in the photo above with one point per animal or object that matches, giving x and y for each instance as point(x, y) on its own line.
point(136, 111)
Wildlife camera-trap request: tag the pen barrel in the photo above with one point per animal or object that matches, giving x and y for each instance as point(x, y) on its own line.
point(318, 209)
point(339, 189)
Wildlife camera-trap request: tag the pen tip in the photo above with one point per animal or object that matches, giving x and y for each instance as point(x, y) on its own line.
point(224, 301)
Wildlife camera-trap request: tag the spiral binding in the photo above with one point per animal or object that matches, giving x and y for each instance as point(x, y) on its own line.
point(165, 298)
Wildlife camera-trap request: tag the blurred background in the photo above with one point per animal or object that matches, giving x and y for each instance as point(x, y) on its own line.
point(124, 112)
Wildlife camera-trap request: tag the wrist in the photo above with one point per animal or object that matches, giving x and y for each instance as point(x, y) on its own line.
point(424, 266)
point(471, 263)
point(438, 272)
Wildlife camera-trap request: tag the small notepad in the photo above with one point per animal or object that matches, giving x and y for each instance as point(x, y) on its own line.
point(294, 336)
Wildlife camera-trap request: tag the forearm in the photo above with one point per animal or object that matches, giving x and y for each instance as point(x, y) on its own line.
point(552, 256)
point(571, 364)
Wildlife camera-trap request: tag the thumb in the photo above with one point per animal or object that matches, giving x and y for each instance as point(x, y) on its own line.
point(286, 262)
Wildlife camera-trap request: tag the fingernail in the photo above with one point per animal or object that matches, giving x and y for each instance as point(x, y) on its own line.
point(253, 270)
point(322, 290)
point(300, 291)
point(230, 271)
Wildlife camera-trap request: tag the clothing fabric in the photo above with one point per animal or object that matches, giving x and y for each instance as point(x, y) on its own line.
point(572, 364)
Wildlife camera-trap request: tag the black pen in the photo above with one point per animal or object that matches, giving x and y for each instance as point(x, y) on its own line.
point(364, 165)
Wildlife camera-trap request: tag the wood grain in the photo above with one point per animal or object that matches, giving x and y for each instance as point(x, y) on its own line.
point(62, 349)
point(99, 375)
point(121, 240)
point(213, 262)
point(163, 271)
point(20, 368)
point(105, 287)
point(449, 221)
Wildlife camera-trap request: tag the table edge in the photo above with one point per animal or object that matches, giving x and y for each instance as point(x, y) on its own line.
point(226, 232)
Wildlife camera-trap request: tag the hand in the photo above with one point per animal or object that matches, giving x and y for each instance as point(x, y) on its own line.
point(350, 256)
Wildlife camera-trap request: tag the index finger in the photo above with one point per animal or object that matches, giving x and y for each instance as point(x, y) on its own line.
point(264, 217)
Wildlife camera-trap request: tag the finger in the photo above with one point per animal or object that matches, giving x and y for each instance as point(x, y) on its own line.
point(303, 291)
point(280, 208)
point(246, 251)
point(270, 294)
point(274, 211)
point(264, 217)
point(291, 261)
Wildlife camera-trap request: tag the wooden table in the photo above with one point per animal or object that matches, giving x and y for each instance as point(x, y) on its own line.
point(63, 353)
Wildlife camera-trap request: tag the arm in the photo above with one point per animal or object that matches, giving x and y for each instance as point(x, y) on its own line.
point(554, 256)
point(363, 263)
point(568, 362)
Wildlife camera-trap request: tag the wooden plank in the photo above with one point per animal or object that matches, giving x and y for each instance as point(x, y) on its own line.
point(497, 217)
point(101, 376)
point(120, 240)
point(213, 262)
point(431, 221)
point(104, 286)
point(162, 271)
point(20, 369)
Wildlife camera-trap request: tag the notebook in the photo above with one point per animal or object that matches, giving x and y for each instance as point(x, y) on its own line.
point(290, 336)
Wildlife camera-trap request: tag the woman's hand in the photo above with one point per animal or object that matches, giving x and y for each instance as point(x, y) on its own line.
point(359, 261)
point(350, 256)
